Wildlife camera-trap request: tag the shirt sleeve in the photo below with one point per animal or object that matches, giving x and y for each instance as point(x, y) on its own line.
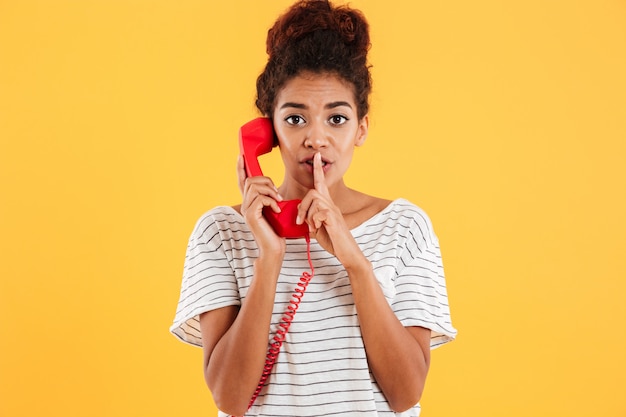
point(421, 295)
point(208, 280)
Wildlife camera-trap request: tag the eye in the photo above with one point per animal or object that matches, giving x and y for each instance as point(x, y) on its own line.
point(295, 120)
point(337, 119)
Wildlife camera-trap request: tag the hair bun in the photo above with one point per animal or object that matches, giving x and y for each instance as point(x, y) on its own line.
point(346, 26)
point(308, 16)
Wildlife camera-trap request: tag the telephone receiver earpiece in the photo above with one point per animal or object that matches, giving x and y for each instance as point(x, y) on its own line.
point(257, 138)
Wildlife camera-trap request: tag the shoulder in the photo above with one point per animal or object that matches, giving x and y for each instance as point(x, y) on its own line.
point(370, 206)
point(404, 217)
point(410, 209)
point(218, 219)
point(415, 219)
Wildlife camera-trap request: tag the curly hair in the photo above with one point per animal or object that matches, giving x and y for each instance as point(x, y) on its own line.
point(315, 36)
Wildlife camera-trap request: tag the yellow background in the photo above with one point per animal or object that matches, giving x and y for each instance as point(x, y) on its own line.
point(505, 120)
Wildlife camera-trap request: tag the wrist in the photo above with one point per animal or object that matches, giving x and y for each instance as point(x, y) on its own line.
point(359, 267)
point(269, 264)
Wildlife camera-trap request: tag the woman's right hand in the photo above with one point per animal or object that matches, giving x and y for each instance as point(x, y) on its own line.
point(259, 192)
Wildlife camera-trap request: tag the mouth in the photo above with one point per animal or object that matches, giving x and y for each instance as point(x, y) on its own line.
point(310, 161)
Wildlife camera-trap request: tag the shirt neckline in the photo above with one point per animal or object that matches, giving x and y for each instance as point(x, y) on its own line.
point(355, 229)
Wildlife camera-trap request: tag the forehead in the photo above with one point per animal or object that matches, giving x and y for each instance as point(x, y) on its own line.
point(312, 88)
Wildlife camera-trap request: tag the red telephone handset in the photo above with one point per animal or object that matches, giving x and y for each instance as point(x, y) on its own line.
point(257, 138)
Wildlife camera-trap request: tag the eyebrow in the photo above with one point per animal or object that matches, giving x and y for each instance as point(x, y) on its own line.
point(331, 105)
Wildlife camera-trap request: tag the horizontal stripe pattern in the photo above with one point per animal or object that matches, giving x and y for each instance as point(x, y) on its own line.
point(322, 369)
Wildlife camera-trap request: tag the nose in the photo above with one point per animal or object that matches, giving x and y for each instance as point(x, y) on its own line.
point(316, 137)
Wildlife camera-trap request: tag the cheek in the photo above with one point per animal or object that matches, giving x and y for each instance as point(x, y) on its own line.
point(288, 142)
point(348, 146)
point(287, 153)
point(283, 141)
point(285, 148)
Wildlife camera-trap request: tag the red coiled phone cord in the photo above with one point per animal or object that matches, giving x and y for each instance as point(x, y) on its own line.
point(283, 326)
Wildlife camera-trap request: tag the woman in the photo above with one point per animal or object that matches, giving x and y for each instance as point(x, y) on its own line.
point(360, 341)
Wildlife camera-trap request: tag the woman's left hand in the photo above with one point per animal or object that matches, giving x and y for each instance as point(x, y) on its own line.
point(381, 330)
point(325, 220)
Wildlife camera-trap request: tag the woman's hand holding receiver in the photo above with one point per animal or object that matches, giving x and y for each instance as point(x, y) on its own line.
point(260, 192)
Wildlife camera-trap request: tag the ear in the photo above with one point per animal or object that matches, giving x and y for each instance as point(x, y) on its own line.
point(363, 128)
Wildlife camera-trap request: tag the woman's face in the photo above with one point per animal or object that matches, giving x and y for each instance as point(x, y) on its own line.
point(316, 113)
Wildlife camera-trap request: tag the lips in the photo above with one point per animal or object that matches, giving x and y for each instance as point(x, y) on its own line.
point(309, 160)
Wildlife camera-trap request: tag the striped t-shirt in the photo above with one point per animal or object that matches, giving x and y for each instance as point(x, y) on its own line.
point(322, 368)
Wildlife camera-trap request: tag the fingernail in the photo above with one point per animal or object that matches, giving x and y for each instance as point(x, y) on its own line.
point(298, 219)
point(280, 197)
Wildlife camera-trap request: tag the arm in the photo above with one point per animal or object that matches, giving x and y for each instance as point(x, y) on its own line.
point(398, 357)
point(235, 340)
